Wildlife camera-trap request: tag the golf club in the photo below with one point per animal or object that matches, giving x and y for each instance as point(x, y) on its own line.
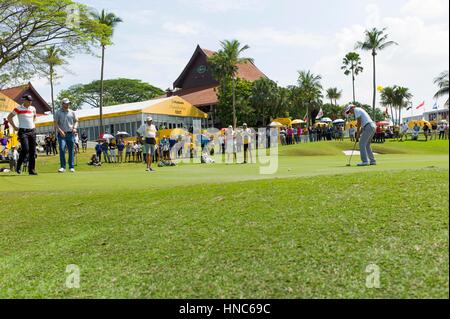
point(351, 156)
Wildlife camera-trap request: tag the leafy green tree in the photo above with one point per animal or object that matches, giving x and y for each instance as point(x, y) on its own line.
point(375, 41)
point(243, 106)
point(109, 21)
point(28, 27)
point(225, 65)
point(332, 110)
point(352, 65)
point(388, 99)
point(402, 96)
point(442, 82)
point(264, 96)
point(117, 91)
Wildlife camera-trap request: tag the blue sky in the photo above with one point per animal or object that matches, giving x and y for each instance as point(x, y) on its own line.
point(157, 38)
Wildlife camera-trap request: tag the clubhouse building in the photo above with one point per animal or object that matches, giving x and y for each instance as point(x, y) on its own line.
point(168, 112)
point(197, 85)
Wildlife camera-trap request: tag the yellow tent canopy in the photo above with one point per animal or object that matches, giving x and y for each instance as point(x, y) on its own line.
point(421, 123)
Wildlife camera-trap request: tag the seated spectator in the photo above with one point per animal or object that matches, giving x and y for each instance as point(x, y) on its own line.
point(95, 161)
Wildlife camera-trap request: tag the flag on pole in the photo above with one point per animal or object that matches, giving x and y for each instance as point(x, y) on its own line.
point(420, 105)
point(306, 118)
point(320, 114)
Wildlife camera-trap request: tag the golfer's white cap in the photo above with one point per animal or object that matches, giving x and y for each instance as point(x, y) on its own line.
point(245, 124)
point(348, 108)
point(65, 101)
point(149, 118)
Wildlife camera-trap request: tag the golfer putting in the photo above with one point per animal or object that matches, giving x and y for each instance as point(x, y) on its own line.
point(365, 130)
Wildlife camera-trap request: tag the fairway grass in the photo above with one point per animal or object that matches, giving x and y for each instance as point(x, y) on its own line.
point(225, 231)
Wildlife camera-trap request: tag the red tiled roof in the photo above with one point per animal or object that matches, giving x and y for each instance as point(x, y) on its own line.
point(246, 71)
point(15, 92)
point(199, 96)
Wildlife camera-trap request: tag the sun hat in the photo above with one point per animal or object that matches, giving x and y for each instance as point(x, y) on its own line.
point(149, 118)
point(65, 101)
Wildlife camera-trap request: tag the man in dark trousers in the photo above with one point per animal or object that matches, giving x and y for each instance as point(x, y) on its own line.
point(26, 114)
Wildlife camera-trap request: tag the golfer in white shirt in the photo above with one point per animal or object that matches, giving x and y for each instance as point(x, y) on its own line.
point(148, 132)
point(365, 130)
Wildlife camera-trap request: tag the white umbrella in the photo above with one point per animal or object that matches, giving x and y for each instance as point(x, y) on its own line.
point(275, 124)
point(338, 121)
point(443, 121)
point(106, 136)
point(122, 134)
point(326, 120)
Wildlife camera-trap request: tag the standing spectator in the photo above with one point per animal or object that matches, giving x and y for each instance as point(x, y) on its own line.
point(120, 148)
point(426, 131)
point(105, 151)
point(283, 136)
point(148, 132)
point(289, 135)
point(66, 125)
point(416, 130)
point(299, 134)
point(112, 151)
point(305, 135)
point(230, 147)
point(26, 114)
point(128, 152)
point(441, 129)
point(84, 141)
point(247, 139)
point(13, 156)
point(54, 144)
point(446, 131)
point(351, 133)
point(222, 143)
point(133, 152)
point(98, 150)
point(404, 132)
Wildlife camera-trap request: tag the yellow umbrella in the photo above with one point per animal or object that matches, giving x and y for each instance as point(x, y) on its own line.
point(297, 122)
point(276, 124)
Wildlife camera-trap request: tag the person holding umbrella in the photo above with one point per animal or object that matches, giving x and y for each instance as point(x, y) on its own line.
point(66, 123)
point(365, 130)
point(26, 114)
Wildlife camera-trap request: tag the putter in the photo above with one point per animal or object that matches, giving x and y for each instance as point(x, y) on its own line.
point(353, 151)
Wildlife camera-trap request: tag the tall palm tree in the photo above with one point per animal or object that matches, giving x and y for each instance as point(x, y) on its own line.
point(310, 89)
point(110, 21)
point(225, 64)
point(52, 58)
point(402, 96)
point(333, 94)
point(264, 93)
point(442, 83)
point(375, 41)
point(352, 65)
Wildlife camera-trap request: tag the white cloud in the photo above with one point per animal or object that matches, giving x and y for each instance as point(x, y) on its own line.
point(276, 37)
point(225, 6)
point(426, 9)
point(188, 28)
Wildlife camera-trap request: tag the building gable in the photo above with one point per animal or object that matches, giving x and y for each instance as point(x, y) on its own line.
point(16, 93)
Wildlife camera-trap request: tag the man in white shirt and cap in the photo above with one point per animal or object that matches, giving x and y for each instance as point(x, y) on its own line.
point(26, 114)
point(148, 132)
point(365, 130)
point(66, 123)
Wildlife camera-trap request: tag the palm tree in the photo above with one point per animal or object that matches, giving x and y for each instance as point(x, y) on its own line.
point(52, 57)
point(387, 99)
point(334, 94)
point(110, 21)
point(352, 65)
point(402, 96)
point(375, 41)
point(264, 93)
point(310, 89)
point(442, 83)
point(225, 65)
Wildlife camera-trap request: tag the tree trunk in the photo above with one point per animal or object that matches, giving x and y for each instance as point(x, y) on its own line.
point(53, 99)
point(374, 85)
point(234, 104)
point(392, 115)
point(101, 90)
point(353, 85)
point(399, 115)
